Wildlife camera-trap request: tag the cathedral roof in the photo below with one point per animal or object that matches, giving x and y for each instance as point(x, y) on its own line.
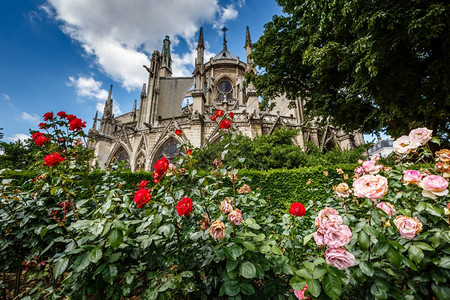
point(225, 54)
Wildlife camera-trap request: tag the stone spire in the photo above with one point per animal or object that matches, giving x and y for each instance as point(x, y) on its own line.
point(108, 110)
point(200, 48)
point(134, 110)
point(94, 125)
point(144, 88)
point(248, 46)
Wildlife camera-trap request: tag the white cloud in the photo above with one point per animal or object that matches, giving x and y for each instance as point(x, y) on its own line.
point(226, 14)
point(32, 118)
point(88, 87)
point(18, 136)
point(182, 65)
point(120, 34)
point(5, 96)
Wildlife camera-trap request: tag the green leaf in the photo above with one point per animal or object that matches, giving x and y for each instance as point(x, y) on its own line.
point(445, 262)
point(304, 273)
point(307, 238)
point(247, 289)
point(433, 210)
point(297, 283)
point(441, 291)
point(249, 246)
point(318, 273)
point(234, 251)
point(247, 270)
point(95, 255)
point(435, 140)
point(250, 222)
point(332, 286)
point(394, 256)
point(409, 263)
point(276, 250)
point(423, 246)
point(381, 248)
point(415, 254)
point(366, 268)
point(167, 230)
point(378, 292)
point(231, 265)
point(60, 266)
point(81, 262)
point(230, 289)
point(115, 238)
point(314, 287)
point(363, 240)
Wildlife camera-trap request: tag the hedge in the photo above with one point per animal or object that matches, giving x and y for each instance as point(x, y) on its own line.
point(280, 186)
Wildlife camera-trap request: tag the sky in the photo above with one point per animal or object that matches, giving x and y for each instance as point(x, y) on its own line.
point(64, 54)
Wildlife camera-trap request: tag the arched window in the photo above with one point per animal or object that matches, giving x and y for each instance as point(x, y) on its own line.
point(121, 156)
point(225, 89)
point(169, 149)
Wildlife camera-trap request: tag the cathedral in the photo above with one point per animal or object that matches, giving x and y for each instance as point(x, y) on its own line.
point(147, 133)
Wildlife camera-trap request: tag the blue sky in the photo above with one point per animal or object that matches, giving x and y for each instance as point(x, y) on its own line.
point(64, 54)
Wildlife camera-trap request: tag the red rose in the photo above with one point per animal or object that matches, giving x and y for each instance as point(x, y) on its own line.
point(184, 207)
point(225, 123)
point(76, 124)
point(213, 118)
point(36, 135)
point(219, 113)
point(141, 197)
point(41, 140)
point(53, 159)
point(297, 209)
point(231, 114)
point(48, 116)
point(143, 183)
point(42, 125)
point(62, 114)
point(156, 177)
point(161, 165)
point(189, 152)
point(178, 132)
point(71, 117)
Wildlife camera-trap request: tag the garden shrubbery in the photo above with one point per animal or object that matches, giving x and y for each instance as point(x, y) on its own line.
point(182, 233)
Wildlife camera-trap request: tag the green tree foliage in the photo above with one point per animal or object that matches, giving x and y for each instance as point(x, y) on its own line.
point(17, 155)
point(276, 151)
point(373, 65)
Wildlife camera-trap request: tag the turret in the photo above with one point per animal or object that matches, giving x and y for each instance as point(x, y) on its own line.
point(166, 60)
point(94, 125)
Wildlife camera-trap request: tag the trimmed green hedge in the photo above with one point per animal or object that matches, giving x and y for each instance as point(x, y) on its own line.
point(280, 186)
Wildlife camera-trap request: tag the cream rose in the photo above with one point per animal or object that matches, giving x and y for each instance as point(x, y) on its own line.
point(404, 145)
point(433, 186)
point(371, 167)
point(343, 190)
point(327, 217)
point(225, 206)
point(408, 227)
point(443, 155)
point(217, 230)
point(420, 135)
point(370, 186)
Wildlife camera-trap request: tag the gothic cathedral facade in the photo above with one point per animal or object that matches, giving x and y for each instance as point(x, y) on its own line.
point(147, 133)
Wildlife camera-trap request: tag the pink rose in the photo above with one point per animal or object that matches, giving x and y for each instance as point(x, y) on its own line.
point(343, 190)
point(339, 258)
point(301, 294)
point(420, 135)
point(387, 208)
point(327, 217)
point(370, 186)
point(433, 186)
point(443, 155)
point(371, 167)
point(337, 236)
point(404, 145)
point(412, 177)
point(408, 227)
point(359, 171)
point(319, 237)
point(235, 217)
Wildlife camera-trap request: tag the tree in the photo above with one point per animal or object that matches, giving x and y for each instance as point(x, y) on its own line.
point(18, 155)
point(370, 65)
